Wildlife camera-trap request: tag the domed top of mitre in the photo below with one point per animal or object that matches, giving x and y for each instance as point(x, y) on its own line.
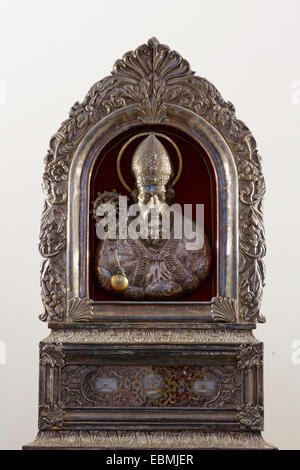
point(151, 164)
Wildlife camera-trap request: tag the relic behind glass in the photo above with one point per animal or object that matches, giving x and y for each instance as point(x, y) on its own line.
point(152, 238)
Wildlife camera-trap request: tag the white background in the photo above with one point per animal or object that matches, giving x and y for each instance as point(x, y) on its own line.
point(51, 53)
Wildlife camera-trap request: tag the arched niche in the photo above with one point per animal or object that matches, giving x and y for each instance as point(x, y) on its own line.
point(226, 210)
point(197, 185)
point(153, 86)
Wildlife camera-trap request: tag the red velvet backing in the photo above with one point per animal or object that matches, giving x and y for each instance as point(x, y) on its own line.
point(196, 186)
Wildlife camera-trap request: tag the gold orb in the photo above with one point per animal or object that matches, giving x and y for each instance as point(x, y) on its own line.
point(119, 282)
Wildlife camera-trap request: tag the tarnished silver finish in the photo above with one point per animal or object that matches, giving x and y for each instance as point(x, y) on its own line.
point(118, 440)
point(151, 164)
point(73, 391)
point(81, 168)
point(159, 267)
point(224, 309)
point(52, 355)
point(159, 150)
point(167, 99)
point(158, 349)
point(150, 100)
point(86, 393)
point(144, 334)
point(252, 417)
point(250, 355)
point(155, 269)
point(80, 309)
point(51, 416)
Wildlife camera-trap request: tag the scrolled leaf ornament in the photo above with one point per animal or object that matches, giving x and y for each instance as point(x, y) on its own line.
point(53, 231)
point(250, 355)
point(52, 355)
point(150, 440)
point(51, 416)
point(53, 289)
point(251, 417)
point(148, 80)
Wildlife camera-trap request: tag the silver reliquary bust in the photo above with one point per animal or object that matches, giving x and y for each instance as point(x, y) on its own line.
point(151, 343)
point(161, 257)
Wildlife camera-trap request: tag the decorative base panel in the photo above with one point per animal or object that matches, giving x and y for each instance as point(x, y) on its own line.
point(96, 395)
point(204, 387)
point(121, 440)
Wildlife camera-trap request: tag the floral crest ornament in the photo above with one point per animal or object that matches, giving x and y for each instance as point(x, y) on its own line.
point(150, 79)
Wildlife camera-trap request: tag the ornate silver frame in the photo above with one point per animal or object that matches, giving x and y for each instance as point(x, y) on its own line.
point(153, 85)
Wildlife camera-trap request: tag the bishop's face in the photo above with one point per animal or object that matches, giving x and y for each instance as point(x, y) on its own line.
point(152, 203)
point(151, 199)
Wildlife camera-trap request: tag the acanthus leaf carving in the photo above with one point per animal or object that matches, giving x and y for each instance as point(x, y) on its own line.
point(250, 355)
point(151, 335)
point(51, 416)
point(150, 440)
point(53, 289)
point(224, 309)
point(151, 78)
point(251, 417)
point(52, 355)
point(53, 231)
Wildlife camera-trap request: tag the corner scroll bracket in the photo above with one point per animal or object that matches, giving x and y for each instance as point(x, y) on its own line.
point(250, 355)
point(52, 355)
point(51, 416)
point(252, 417)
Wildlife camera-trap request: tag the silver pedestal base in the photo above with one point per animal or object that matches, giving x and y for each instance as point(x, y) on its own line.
point(150, 440)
